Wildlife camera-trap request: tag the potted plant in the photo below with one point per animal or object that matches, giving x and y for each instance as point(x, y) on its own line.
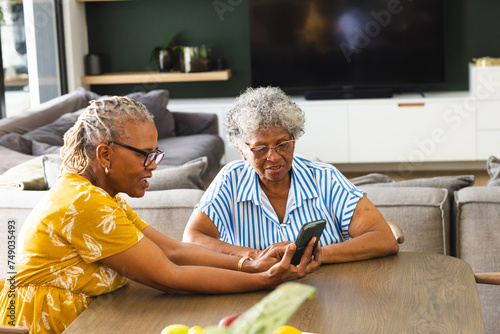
point(164, 56)
point(195, 58)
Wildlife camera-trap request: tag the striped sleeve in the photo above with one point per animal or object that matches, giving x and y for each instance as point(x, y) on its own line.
point(218, 201)
point(343, 203)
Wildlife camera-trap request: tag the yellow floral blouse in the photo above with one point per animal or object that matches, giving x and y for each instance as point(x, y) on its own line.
point(59, 248)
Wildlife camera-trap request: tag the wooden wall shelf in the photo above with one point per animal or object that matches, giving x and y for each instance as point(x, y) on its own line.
point(147, 77)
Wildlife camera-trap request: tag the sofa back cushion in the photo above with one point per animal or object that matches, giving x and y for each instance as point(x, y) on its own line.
point(53, 133)
point(156, 102)
point(46, 112)
point(477, 242)
point(422, 213)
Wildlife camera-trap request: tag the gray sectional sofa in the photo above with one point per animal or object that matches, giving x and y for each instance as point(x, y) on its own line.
point(443, 215)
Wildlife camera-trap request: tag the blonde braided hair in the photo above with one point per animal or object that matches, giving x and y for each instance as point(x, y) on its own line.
point(102, 121)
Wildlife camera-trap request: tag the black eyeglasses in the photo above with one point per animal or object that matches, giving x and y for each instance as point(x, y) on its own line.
point(156, 156)
point(263, 151)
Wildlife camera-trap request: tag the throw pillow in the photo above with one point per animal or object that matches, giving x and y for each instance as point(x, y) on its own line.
point(156, 102)
point(16, 142)
point(43, 148)
point(451, 183)
point(47, 112)
point(53, 133)
point(493, 168)
point(187, 176)
point(25, 176)
point(371, 179)
point(51, 166)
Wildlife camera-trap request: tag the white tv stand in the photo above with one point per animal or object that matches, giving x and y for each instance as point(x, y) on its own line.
point(453, 130)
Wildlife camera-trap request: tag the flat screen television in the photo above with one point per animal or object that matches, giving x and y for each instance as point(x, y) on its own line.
point(347, 48)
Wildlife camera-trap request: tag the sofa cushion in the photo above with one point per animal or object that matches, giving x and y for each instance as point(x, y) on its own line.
point(493, 168)
point(11, 159)
point(187, 176)
point(53, 133)
point(181, 149)
point(46, 112)
point(372, 178)
point(156, 102)
point(451, 183)
point(422, 213)
point(16, 142)
point(51, 167)
point(19, 143)
point(25, 176)
point(38, 148)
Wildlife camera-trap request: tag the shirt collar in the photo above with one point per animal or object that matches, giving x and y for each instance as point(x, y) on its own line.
point(303, 184)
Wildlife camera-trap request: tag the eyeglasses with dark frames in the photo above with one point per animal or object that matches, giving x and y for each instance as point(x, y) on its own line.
point(156, 156)
point(283, 148)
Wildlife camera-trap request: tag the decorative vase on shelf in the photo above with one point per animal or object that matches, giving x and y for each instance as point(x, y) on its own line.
point(195, 58)
point(164, 56)
point(165, 60)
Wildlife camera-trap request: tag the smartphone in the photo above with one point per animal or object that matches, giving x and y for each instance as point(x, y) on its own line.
point(307, 231)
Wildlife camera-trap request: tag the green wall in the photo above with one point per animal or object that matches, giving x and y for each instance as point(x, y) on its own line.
point(125, 32)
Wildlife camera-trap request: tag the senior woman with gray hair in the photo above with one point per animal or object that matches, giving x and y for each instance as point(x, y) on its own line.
point(257, 205)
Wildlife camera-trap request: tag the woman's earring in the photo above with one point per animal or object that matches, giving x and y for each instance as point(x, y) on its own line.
point(106, 171)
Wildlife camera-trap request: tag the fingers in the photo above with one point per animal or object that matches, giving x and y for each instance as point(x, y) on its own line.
point(265, 251)
point(276, 250)
point(289, 251)
point(316, 263)
point(307, 264)
point(318, 253)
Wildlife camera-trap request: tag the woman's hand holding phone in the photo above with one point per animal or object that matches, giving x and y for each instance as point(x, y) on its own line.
point(285, 271)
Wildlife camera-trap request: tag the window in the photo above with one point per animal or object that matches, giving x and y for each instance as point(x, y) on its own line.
point(32, 54)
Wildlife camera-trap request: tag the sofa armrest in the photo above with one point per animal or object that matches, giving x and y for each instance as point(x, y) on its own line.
point(187, 123)
point(478, 232)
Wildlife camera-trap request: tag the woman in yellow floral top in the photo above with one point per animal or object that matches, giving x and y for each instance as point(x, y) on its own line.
point(83, 240)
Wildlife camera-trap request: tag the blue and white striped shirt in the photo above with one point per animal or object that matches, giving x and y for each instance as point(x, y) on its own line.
point(241, 211)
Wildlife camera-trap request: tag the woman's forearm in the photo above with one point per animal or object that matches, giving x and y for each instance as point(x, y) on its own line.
point(219, 245)
point(366, 246)
point(193, 254)
point(183, 253)
point(199, 279)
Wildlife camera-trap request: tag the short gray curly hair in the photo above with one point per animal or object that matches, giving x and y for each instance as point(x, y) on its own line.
point(262, 108)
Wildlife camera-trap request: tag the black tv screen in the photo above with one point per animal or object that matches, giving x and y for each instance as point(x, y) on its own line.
point(307, 45)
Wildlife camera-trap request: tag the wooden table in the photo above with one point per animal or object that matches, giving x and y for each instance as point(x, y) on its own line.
point(405, 293)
